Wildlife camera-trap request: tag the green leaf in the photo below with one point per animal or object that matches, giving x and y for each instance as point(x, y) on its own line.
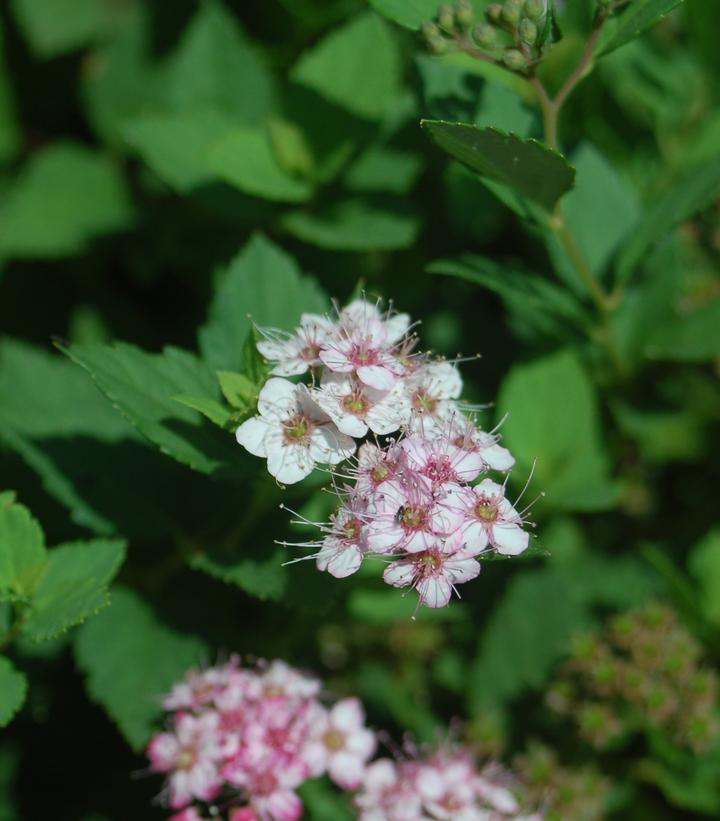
point(382, 168)
point(243, 158)
point(64, 197)
point(553, 418)
point(323, 801)
point(690, 194)
point(514, 285)
point(260, 575)
point(385, 607)
point(601, 209)
point(211, 409)
point(176, 146)
point(9, 132)
point(688, 337)
point(54, 27)
point(704, 564)
point(356, 225)
point(357, 67)
point(631, 23)
point(13, 688)
point(22, 552)
point(238, 389)
point(73, 587)
point(142, 386)
point(262, 282)
point(131, 658)
point(216, 67)
point(526, 166)
point(409, 13)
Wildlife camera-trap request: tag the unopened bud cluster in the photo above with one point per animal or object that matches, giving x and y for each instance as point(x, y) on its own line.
point(510, 34)
point(421, 497)
point(567, 792)
point(241, 740)
point(642, 672)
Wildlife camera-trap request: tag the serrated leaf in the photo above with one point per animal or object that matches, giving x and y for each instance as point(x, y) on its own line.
point(131, 659)
point(526, 166)
point(357, 67)
point(408, 13)
point(211, 409)
point(243, 157)
point(553, 422)
point(692, 193)
point(262, 282)
point(22, 552)
point(62, 198)
point(260, 576)
point(356, 225)
point(239, 391)
point(13, 688)
point(632, 22)
point(73, 587)
point(142, 386)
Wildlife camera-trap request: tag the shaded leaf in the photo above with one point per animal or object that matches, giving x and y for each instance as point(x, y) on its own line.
point(688, 337)
point(409, 13)
point(526, 166)
point(131, 659)
point(382, 168)
point(22, 552)
point(704, 564)
point(13, 688)
point(632, 22)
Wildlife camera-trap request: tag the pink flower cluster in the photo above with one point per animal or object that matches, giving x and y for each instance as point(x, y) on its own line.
point(251, 736)
point(410, 497)
point(446, 785)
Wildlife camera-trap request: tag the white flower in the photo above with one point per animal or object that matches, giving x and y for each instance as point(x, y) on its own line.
point(491, 519)
point(292, 432)
point(295, 353)
point(431, 391)
point(355, 407)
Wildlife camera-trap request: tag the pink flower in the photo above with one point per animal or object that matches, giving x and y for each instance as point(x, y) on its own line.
point(432, 390)
point(188, 814)
point(388, 794)
point(468, 437)
point(356, 408)
point(346, 742)
point(243, 814)
point(407, 516)
point(377, 465)
point(295, 353)
point(191, 755)
point(201, 687)
point(363, 352)
point(345, 546)
point(491, 519)
point(433, 573)
point(292, 432)
point(440, 460)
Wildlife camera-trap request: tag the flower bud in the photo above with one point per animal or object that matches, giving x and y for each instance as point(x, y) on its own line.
point(535, 9)
point(464, 12)
point(446, 17)
point(494, 12)
point(438, 45)
point(485, 35)
point(512, 11)
point(514, 59)
point(528, 31)
point(430, 30)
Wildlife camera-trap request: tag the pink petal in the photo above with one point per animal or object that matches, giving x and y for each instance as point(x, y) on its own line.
point(509, 539)
point(435, 591)
point(346, 770)
point(399, 574)
point(347, 714)
point(376, 376)
point(284, 805)
point(498, 457)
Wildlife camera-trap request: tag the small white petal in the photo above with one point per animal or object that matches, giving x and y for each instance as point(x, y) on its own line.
point(376, 377)
point(277, 399)
point(251, 435)
point(509, 539)
point(435, 591)
point(290, 463)
point(399, 574)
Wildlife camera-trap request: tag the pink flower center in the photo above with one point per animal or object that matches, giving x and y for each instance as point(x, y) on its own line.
point(186, 759)
point(334, 740)
point(430, 562)
point(362, 355)
point(486, 510)
point(440, 469)
point(310, 352)
point(422, 401)
point(355, 403)
point(297, 430)
point(412, 517)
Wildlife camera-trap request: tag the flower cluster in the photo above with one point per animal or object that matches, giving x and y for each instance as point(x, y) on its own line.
point(644, 672)
point(445, 785)
point(408, 497)
point(250, 736)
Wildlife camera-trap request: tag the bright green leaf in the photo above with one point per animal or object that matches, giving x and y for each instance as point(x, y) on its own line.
point(553, 419)
point(704, 564)
point(632, 22)
point(64, 197)
point(142, 386)
point(131, 658)
point(22, 552)
point(692, 193)
point(409, 13)
point(73, 587)
point(13, 688)
point(263, 283)
point(238, 389)
point(211, 409)
point(526, 166)
point(356, 67)
point(216, 67)
point(243, 158)
point(356, 225)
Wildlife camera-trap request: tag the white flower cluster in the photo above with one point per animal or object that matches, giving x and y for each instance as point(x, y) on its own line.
point(412, 498)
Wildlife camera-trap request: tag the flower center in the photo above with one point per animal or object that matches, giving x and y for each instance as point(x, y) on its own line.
point(412, 518)
point(486, 510)
point(422, 401)
point(355, 403)
point(380, 472)
point(430, 561)
point(334, 740)
point(310, 352)
point(440, 469)
point(297, 430)
point(363, 355)
point(351, 530)
point(186, 758)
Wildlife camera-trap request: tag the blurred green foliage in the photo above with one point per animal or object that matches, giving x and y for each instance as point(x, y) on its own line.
point(166, 170)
